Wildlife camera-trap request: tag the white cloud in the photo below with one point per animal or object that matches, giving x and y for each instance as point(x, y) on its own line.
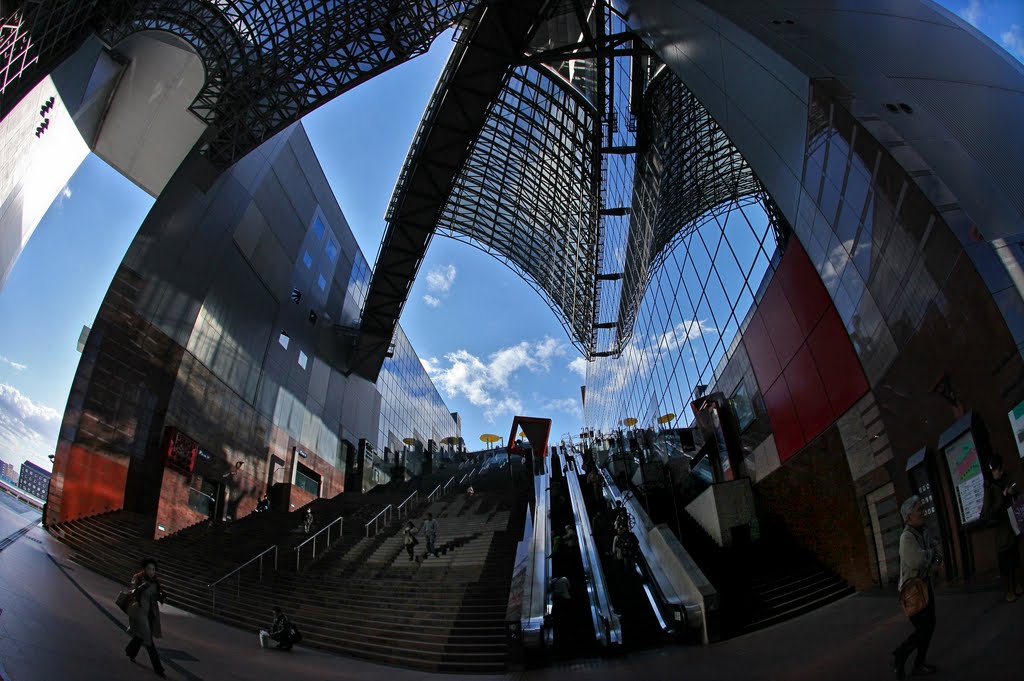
point(431, 300)
point(486, 384)
point(1013, 41)
point(683, 331)
point(972, 13)
point(567, 405)
point(579, 366)
point(11, 363)
point(27, 429)
point(440, 279)
point(64, 193)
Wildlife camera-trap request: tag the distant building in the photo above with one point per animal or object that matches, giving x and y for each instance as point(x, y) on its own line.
point(34, 479)
point(8, 472)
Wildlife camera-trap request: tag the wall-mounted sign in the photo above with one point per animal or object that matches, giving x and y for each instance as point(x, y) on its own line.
point(965, 470)
point(1016, 416)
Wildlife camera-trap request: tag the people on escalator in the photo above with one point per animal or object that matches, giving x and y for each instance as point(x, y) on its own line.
point(264, 504)
point(602, 532)
point(625, 548)
point(621, 516)
point(596, 484)
point(561, 598)
point(569, 539)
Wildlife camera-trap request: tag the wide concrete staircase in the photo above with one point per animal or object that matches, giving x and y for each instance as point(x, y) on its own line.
point(362, 597)
point(443, 613)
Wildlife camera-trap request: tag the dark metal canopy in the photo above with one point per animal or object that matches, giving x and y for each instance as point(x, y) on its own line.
point(476, 76)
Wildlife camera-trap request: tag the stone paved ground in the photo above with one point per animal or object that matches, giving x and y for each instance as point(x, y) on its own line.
point(58, 622)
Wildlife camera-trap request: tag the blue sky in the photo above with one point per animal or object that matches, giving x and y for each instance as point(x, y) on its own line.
point(492, 346)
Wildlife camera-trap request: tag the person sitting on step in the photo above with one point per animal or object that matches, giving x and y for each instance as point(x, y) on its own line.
point(282, 630)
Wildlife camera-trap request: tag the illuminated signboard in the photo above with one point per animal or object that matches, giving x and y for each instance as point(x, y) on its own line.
point(1016, 416)
point(965, 470)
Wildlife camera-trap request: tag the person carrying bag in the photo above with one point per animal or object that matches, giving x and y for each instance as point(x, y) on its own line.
point(919, 558)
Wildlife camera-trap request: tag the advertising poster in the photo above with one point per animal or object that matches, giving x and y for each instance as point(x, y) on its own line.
point(1016, 416)
point(965, 470)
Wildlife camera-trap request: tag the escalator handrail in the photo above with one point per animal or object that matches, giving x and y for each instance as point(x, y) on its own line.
point(607, 627)
point(536, 604)
point(658, 580)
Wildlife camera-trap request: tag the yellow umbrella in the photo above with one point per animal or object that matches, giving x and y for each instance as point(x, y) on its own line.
point(411, 441)
point(665, 418)
point(490, 438)
point(450, 440)
point(629, 422)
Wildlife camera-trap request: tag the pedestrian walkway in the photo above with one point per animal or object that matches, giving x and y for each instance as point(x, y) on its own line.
point(58, 622)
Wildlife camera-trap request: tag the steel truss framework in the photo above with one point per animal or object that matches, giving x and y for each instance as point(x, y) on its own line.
point(268, 62)
point(527, 194)
point(523, 183)
point(687, 173)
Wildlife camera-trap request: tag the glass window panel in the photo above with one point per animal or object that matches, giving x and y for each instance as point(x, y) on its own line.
point(307, 260)
point(742, 238)
point(318, 228)
point(835, 167)
point(729, 272)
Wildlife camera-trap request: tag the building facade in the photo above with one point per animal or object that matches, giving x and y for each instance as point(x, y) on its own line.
point(868, 347)
point(8, 472)
point(216, 370)
point(777, 212)
point(34, 479)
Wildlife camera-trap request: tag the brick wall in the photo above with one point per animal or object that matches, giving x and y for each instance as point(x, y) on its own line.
point(173, 513)
point(813, 495)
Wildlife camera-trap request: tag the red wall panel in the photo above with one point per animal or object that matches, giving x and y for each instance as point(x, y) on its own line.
point(837, 362)
point(808, 393)
point(789, 436)
point(804, 289)
point(761, 352)
point(780, 323)
point(802, 356)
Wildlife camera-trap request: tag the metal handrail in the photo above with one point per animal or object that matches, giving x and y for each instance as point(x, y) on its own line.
point(447, 484)
point(407, 500)
point(238, 572)
point(464, 478)
point(327, 528)
point(374, 521)
point(430, 497)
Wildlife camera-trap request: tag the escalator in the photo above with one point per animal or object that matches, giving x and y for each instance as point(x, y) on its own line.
point(584, 624)
point(760, 581)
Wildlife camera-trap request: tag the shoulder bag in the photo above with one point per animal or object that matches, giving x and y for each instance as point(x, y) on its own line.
point(913, 596)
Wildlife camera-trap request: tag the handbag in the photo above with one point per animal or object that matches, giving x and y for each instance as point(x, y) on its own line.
point(124, 599)
point(913, 596)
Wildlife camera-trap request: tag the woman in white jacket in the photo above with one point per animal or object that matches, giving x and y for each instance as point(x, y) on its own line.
point(919, 557)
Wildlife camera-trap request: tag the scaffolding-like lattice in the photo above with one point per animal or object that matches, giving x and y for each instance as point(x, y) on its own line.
point(527, 193)
point(268, 62)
